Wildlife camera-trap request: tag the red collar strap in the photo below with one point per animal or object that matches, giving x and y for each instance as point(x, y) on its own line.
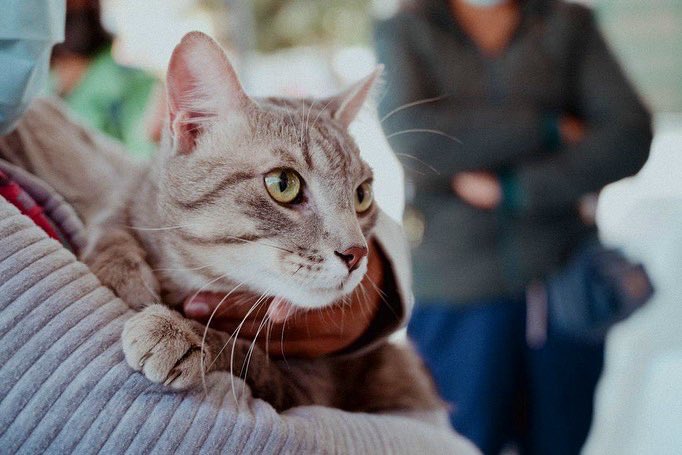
point(16, 196)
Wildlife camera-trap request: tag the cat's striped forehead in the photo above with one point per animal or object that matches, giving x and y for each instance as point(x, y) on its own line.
point(225, 175)
point(316, 141)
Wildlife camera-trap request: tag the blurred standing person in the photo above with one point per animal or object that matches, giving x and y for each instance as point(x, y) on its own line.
point(108, 96)
point(510, 112)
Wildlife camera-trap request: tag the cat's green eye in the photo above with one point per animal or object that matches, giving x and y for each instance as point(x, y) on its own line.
point(363, 197)
point(284, 185)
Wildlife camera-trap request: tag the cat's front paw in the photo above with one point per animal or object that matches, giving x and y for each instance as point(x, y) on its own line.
point(165, 347)
point(127, 274)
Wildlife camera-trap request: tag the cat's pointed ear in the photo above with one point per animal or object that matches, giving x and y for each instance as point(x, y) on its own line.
point(201, 85)
point(345, 106)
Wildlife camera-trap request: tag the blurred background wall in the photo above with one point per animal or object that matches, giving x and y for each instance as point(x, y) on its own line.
point(314, 47)
point(646, 36)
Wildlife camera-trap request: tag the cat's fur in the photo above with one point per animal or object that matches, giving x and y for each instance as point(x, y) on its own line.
point(200, 218)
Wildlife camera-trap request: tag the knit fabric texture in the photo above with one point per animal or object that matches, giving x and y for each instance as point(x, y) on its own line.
point(65, 386)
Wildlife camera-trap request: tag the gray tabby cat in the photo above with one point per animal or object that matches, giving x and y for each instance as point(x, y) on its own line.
point(265, 194)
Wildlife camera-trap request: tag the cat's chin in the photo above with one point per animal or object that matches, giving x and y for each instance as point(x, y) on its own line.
point(298, 297)
point(316, 295)
point(309, 299)
point(280, 308)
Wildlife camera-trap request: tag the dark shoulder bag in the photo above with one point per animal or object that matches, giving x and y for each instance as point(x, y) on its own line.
point(597, 288)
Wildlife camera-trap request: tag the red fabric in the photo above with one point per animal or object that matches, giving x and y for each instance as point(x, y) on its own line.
point(26, 205)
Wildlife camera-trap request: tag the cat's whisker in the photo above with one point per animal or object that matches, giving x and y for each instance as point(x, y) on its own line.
point(300, 133)
point(207, 284)
point(409, 169)
point(320, 112)
point(362, 300)
point(303, 123)
point(374, 285)
point(424, 130)
point(180, 269)
point(343, 314)
point(363, 309)
point(307, 326)
point(162, 228)
point(327, 310)
point(297, 270)
point(284, 324)
point(236, 332)
point(382, 295)
point(203, 337)
point(268, 334)
point(249, 355)
point(364, 291)
point(291, 118)
point(413, 103)
point(258, 242)
point(322, 312)
point(152, 292)
point(343, 317)
point(347, 303)
point(281, 342)
point(234, 338)
point(406, 155)
point(230, 237)
point(307, 117)
point(273, 246)
point(366, 302)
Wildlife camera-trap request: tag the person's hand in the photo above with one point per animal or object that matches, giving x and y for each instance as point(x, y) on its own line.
point(478, 188)
point(310, 333)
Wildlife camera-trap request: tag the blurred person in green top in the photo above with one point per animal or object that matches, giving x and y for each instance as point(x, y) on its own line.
point(106, 95)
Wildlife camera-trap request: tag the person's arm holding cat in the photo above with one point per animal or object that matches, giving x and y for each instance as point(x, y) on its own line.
point(300, 430)
point(39, 141)
point(308, 429)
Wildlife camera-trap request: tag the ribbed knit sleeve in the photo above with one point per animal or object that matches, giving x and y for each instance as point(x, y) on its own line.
point(65, 387)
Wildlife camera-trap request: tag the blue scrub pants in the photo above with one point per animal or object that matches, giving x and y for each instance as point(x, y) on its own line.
point(500, 389)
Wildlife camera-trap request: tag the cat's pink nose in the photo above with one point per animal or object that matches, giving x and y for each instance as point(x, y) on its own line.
point(352, 256)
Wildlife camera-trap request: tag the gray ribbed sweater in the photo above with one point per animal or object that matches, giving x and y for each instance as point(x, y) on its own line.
point(65, 387)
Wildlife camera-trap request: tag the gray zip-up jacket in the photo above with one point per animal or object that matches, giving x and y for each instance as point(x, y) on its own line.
point(504, 113)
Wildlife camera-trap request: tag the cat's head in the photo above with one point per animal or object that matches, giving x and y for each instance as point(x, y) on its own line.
point(271, 193)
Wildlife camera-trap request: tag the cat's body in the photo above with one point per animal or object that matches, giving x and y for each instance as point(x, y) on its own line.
point(267, 194)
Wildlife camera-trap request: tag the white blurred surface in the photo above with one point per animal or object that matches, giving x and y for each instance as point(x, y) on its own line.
point(147, 31)
point(639, 399)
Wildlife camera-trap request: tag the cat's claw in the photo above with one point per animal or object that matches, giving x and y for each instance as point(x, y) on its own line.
point(144, 358)
point(172, 376)
point(165, 347)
